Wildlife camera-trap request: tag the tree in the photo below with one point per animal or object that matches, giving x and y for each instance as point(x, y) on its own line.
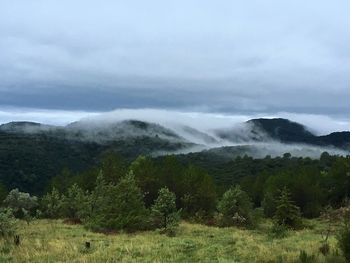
point(51, 204)
point(199, 192)
point(147, 178)
point(22, 204)
point(7, 223)
point(73, 203)
point(235, 208)
point(3, 192)
point(117, 207)
point(287, 213)
point(164, 212)
point(113, 167)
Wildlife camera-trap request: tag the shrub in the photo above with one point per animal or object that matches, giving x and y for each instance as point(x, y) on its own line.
point(22, 204)
point(278, 231)
point(344, 233)
point(235, 208)
point(7, 223)
point(344, 242)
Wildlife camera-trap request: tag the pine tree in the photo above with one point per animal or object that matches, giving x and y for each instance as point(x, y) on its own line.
point(287, 213)
point(51, 204)
point(236, 208)
point(116, 207)
point(164, 212)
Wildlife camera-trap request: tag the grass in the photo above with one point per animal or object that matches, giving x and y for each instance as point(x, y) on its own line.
point(52, 241)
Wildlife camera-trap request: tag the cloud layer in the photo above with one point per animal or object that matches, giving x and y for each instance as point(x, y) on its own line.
point(234, 57)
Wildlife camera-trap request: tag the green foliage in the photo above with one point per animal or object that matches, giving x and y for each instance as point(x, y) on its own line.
point(73, 203)
point(164, 212)
point(3, 192)
point(287, 213)
point(199, 193)
point(278, 231)
point(51, 204)
point(147, 177)
point(7, 223)
point(344, 233)
point(22, 204)
point(269, 204)
point(116, 207)
point(235, 208)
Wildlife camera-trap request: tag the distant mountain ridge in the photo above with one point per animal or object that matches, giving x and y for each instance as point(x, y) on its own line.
point(31, 153)
point(287, 131)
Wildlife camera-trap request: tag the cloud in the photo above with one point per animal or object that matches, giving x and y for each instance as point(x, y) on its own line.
point(247, 57)
point(203, 121)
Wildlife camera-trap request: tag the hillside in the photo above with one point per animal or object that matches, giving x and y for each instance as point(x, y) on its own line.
point(32, 153)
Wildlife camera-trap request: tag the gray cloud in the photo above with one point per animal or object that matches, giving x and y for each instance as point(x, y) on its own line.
point(241, 57)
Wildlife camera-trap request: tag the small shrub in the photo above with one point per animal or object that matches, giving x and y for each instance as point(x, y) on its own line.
point(324, 249)
point(7, 223)
point(278, 231)
point(344, 242)
point(23, 205)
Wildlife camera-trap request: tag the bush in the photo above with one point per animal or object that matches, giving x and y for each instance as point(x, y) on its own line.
point(344, 233)
point(278, 231)
point(22, 204)
point(7, 223)
point(344, 242)
point(235, 208)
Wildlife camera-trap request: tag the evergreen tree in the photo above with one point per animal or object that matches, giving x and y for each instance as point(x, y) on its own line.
point(117, 207)
point(51, 204)
point(235, 208)
point(287, 213)
point(164, 210)
point(147, 178)
point(74, 203)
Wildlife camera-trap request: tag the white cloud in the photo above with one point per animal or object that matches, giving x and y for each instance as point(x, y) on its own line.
point(319, 124)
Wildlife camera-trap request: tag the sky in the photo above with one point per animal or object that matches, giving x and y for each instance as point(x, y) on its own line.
point(63, 60)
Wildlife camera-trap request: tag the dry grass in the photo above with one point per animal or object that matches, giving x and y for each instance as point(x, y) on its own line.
point(52, 241)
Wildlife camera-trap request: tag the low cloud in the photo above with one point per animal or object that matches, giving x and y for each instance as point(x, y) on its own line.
point(319, 124)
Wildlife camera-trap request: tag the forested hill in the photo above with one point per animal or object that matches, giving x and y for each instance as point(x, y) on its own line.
point(32, 153)
point(292, 132)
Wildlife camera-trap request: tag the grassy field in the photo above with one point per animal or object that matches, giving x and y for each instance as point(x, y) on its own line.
point(53, 241)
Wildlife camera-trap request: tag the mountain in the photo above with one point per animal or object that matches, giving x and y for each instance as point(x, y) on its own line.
point(284, 131)
point(32, 153)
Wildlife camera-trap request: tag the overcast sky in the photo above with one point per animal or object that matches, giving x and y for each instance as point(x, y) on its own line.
point(224, 57)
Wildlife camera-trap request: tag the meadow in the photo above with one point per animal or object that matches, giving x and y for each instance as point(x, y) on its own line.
point(53, 241)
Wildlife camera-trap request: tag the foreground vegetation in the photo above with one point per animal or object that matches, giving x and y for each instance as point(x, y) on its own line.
point(282, 210)
point(53, 241)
